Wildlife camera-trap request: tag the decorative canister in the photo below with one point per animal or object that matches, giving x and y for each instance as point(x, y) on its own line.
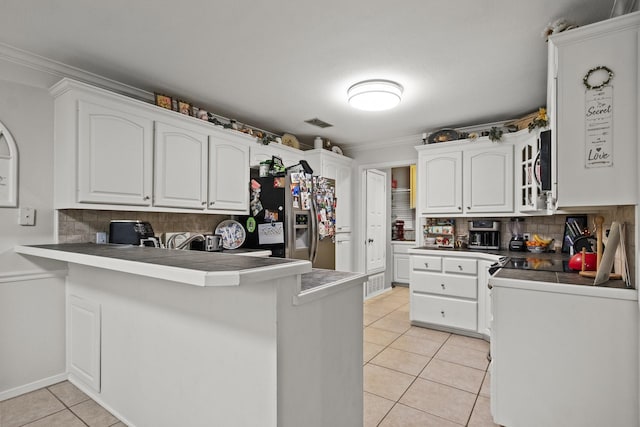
point(264, 168)
point(317, 143)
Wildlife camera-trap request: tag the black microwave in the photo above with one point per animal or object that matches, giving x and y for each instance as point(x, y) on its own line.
point(545, 160)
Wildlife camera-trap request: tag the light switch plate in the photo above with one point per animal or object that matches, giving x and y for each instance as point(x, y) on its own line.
point(27, 216)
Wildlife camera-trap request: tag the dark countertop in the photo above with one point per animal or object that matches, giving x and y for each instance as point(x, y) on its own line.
point(192, 260)
point(321, 277)
point(186, 267)
point(532, 274)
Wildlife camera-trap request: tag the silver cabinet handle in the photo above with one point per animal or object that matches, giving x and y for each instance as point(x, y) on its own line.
point(468, 208)
point(147, 197)
point(212, 203)
point(426, 265)
point(442, 284)
point(442, 312)
point(204, 203)
point(459, 267)
point(370, 241)
point(459, 208)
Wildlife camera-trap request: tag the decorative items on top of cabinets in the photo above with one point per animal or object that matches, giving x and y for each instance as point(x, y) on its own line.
point(95, 132)
point(335, 166)
point(289, 155)
point(592, 98)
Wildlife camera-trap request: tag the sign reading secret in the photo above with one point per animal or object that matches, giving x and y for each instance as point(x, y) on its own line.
point(598, 121)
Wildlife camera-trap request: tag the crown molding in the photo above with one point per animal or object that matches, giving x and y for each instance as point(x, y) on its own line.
point(58, 69)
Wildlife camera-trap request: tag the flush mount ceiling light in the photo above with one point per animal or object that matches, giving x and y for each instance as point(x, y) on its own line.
point(374, 95)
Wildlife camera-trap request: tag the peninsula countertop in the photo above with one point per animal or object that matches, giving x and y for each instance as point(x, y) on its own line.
point(189, 267)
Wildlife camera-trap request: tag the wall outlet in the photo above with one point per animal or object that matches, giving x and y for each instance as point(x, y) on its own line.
point(27, 216)
point(527, 236)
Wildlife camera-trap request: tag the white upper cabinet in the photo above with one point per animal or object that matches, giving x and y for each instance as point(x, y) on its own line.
point(114, 156)
point(112, 152)
point(595, 130)
point(440, 182)
point(228, 174)
point(180, 167)
point(467, 177)
point(488, 179)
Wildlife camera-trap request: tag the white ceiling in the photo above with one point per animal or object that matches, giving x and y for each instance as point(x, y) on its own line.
point(274, 64)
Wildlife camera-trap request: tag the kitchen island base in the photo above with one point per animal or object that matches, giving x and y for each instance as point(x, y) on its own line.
point(563, 355)
point(170, 354)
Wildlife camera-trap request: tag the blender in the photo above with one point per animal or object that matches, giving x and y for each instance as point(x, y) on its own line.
point(517, 242)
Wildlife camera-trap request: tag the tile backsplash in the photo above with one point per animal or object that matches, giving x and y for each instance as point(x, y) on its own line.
point(80, 225)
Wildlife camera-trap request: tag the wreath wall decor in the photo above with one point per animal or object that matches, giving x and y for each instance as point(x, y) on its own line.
point(585, 79)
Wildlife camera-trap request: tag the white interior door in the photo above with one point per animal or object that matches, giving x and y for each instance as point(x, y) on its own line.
point(376, 209)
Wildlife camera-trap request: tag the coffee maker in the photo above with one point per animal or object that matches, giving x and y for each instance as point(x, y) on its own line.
point(517, 242)
point(484, 234)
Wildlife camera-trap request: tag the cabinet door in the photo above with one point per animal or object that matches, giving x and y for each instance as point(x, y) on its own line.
point(440, 183)
point(180, 167)
point(401, 268)
point(343, 196)
point(290, 156)
point(583, 182)
point(114, 156)
point(83, 341)
point(228, 174)
point(488, 180)
point(343, 252)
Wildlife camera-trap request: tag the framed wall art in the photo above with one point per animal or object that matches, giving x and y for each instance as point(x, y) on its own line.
point(164, 101)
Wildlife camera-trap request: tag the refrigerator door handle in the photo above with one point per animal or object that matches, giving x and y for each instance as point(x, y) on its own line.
point(314, 231)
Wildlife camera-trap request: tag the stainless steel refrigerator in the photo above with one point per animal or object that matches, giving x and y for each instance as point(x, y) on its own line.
point(294, 217)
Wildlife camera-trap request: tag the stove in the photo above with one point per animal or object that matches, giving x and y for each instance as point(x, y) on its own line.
point(537, 263)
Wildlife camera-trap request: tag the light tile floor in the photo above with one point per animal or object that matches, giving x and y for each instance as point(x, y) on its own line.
point(412, 377)
point(420, 377)
point(59, 405)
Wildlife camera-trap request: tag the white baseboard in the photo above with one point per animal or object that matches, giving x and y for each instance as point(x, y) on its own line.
point(86, 389)
point(45, 382)
point(19, 276)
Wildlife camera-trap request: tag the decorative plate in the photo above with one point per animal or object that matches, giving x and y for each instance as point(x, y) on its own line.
point(336, 149)
point(232, 232)
point(290, 141)
point(443, 135)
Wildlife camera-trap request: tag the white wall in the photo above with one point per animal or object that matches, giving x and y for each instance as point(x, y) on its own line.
point(31, 298)
point(378, 155)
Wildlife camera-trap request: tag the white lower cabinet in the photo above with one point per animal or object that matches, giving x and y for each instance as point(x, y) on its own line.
point(344, 252)
point(401, 261)
point(444, 311)
point(450, 291)
point(401, 268)
point(83, 341)
point(444, 292)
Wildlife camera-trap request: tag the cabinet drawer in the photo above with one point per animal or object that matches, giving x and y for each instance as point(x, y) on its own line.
point(426, 263)
point(444, 311)
point(460, 266)
point(444, 284)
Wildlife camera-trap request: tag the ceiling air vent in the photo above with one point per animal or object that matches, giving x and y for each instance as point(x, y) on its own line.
point(319, 123)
